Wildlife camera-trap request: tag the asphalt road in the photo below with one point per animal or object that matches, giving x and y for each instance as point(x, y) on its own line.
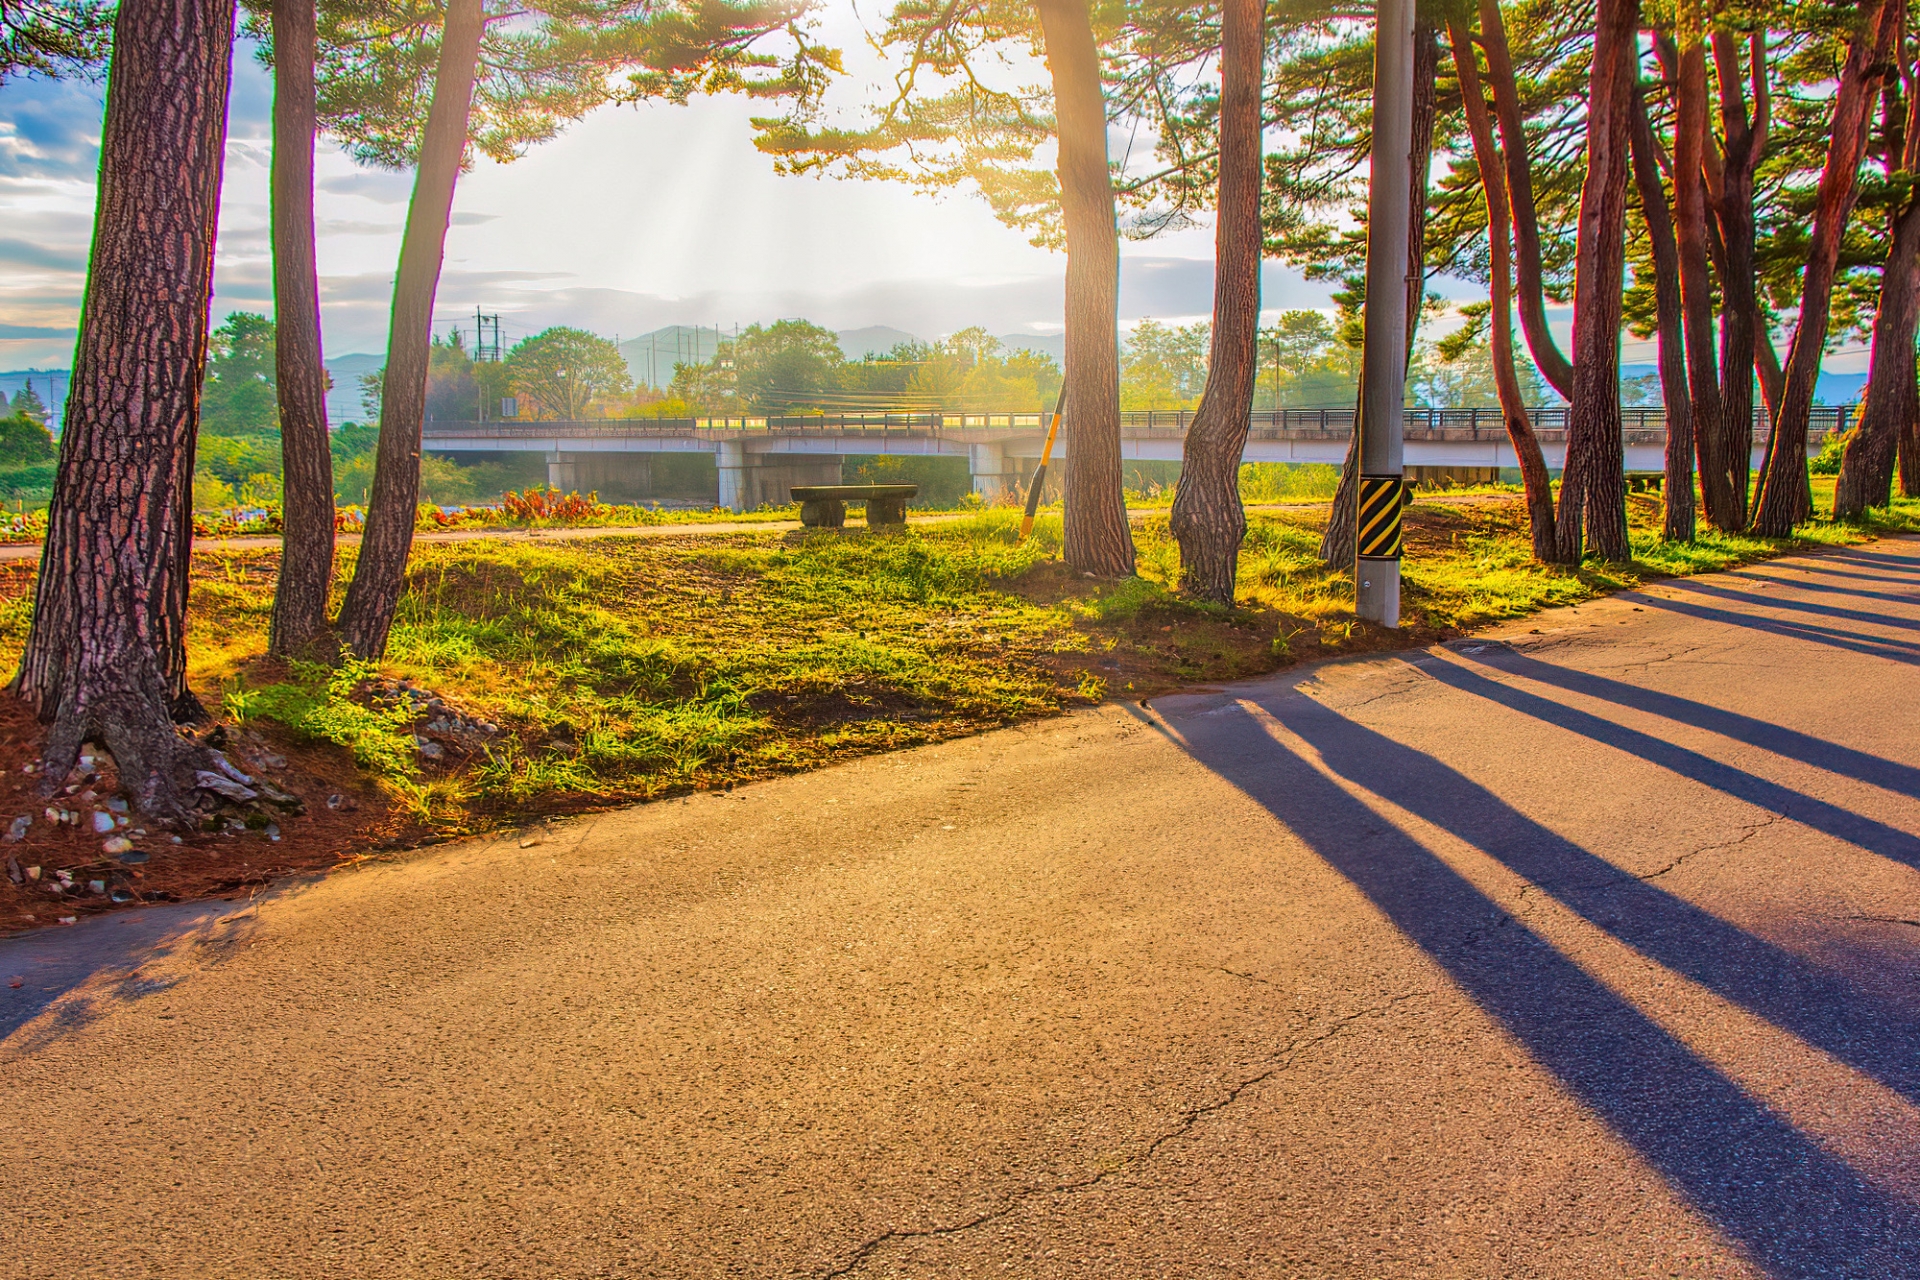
point(1590, 947)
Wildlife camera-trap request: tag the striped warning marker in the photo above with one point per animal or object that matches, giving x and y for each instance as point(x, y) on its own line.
point(1381, 498)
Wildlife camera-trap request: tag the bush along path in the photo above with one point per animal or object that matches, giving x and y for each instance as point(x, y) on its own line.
point(530, 680)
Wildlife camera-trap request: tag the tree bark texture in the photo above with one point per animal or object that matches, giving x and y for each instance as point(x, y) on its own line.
point(1207, 519)
point(1593, 486)
point(106, 657)
point(1677, 524)
point(1892, 404)
point(380, 574)
point(1767, 373)
point(1892, 401)
point(1098, 539)
point(1910, 460)
point(1534, 476)
point(1731, 183)
point(1553, 366)
point(306, 543)
point(1785, 497)
point(1337, 540)
point(1693, 239)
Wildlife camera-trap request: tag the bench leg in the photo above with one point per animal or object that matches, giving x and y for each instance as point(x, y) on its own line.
point(823, 513)
point(886, 511)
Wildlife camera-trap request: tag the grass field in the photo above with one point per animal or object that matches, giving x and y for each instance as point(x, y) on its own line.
point(623, 667)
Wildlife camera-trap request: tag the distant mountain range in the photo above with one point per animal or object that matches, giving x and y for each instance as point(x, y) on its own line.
point(343, 397)
point(651, 356)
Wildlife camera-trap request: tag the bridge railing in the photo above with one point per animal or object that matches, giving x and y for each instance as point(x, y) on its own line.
point(1638, 425)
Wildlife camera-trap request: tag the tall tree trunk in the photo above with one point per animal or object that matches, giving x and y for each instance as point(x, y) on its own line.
point(1593, 487)
point(1730, 177)
point(1785, 497)
point(306, 544)
point(1910, 457)
point(1553, 366)
point(106, 656)
point(1098, 538)
point(1337, 539)
point(380, 574)
point(1767, 373)
point(1694, 234)
point(1678, 522)
point(1892, 407)
point(1207, 519)
point(1893, 401)
point(1506, 379)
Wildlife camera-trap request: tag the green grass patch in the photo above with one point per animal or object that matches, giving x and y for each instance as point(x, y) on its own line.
point(619, 668)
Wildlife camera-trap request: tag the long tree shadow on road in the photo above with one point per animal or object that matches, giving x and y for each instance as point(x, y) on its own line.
point(1862, 766)
point(1718, 591)
point(1834, 588)
point(1798, 1210)
point(1836, 637)
point(1889, 842)
point(1811, 1001)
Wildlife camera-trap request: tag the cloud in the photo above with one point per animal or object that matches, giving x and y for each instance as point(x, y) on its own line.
point(250, 100)
point(376, 185)
point(51, 129)
point(474, 219)
point(29, 253)
point(37, 331)
point(350, 227)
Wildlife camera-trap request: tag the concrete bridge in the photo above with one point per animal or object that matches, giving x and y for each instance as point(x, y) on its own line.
point(756, 459)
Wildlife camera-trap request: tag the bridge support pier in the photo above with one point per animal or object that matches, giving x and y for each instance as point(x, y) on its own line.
point(730, 461)
point(988, 467)
point(562, 472)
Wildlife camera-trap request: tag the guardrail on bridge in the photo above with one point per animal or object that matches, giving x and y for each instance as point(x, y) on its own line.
point(1550, 423)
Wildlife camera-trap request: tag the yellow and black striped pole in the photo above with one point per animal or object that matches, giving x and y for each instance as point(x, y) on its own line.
point(1040, 472)
point(1382, 423)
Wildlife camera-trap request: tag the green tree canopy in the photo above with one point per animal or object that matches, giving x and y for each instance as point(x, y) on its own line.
point(28, 404)
point(560, 372)
point(54, 38)
point(545, 64)
point(787, 364)
point(238, 397)
point(24, 442)
point(1162, 367)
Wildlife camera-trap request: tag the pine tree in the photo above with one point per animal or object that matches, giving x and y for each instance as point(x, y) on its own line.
point(106, 656)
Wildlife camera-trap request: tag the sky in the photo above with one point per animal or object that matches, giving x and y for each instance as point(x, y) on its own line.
point(634, 218)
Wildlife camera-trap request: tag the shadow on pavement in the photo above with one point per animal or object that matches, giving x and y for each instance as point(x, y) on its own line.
point(1775, 600)
point(81, 971)
point(1860, 765)
point(1834, 588)
point(1841, 823)
point(1857, 642)
point(1799, 1211)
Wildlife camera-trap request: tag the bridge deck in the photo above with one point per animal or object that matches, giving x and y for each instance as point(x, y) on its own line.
point(1434, 437)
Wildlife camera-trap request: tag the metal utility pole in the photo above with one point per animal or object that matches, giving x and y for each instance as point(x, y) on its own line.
point(1383, 353)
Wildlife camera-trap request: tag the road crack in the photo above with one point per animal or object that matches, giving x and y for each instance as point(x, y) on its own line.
point(1752, 830)
point(1883, 919)
point(1183, 1124)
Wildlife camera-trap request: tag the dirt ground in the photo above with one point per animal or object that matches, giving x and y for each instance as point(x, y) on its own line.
point(342, 815)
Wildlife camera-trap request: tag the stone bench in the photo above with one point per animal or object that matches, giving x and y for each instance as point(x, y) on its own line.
point(824, 506)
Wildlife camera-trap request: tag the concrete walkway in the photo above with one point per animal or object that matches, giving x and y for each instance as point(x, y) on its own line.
point(1587, 948)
